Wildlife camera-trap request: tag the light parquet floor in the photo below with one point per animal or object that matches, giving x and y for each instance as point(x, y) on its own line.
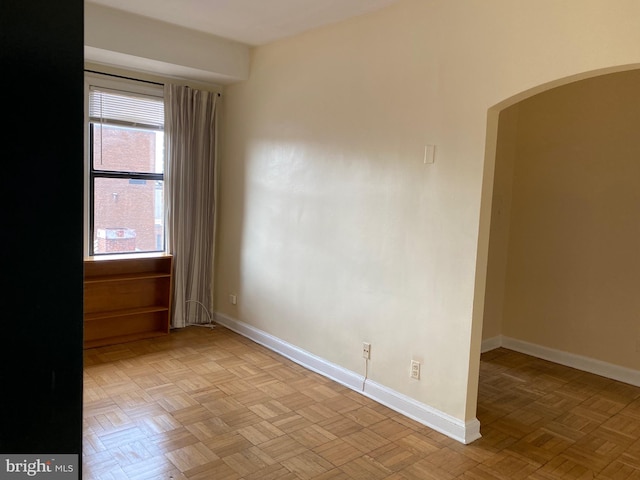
point(209, 404)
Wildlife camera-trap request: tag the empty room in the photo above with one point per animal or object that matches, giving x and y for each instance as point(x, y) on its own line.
point(390, 239)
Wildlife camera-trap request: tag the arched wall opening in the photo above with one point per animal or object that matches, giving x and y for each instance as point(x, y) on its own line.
point(559, 222)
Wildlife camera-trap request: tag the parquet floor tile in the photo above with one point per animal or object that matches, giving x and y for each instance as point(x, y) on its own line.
point(208, 404)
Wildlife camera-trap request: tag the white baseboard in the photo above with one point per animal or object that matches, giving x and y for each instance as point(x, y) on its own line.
point(420, 412)
point(491, 344)
point(586, 364)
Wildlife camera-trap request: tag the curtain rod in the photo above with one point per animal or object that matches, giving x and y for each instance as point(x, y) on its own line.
point(131, 78)
point(124, 77)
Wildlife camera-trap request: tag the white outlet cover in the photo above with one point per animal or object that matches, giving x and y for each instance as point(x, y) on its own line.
point(415, 369)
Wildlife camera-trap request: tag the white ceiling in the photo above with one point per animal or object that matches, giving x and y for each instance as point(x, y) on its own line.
point(253, 22)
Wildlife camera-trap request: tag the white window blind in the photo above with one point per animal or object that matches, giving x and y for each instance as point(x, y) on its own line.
point(124, 108)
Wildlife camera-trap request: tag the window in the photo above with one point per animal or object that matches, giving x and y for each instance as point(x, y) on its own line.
point(125, 168)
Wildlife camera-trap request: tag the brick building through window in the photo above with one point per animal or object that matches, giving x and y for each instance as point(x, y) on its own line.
point(126, 172)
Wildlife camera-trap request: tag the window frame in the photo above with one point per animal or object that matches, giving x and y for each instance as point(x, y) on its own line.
point(126, 85)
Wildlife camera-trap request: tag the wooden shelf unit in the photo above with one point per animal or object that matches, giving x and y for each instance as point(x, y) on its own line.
point(126, 298)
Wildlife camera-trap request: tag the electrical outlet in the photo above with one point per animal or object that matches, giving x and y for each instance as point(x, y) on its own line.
point(233, 299)
point(366, 350)
point(429, 153)
point(415, 369)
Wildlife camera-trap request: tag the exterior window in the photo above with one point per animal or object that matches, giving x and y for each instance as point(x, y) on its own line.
point(126, 171)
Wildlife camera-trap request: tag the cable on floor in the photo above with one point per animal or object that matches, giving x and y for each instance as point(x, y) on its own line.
point(211, 323)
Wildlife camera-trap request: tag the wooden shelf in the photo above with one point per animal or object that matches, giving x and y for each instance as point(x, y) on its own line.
point(126, 298)
point(90, 317)
point(125, 277)
point(121, 339)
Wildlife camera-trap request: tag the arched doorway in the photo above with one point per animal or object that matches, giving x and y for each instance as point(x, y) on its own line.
point(561, 177)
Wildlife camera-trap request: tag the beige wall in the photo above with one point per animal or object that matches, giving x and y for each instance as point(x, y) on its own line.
point(573, 264)
point(506, 150)
point(332, 229)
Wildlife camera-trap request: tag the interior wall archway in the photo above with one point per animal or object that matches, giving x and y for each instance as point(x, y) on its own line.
point(562, 147)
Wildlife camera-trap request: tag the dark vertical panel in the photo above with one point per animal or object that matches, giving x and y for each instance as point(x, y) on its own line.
point(41, 176)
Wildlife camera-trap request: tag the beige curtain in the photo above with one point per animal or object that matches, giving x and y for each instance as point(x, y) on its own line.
point(190, 200)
